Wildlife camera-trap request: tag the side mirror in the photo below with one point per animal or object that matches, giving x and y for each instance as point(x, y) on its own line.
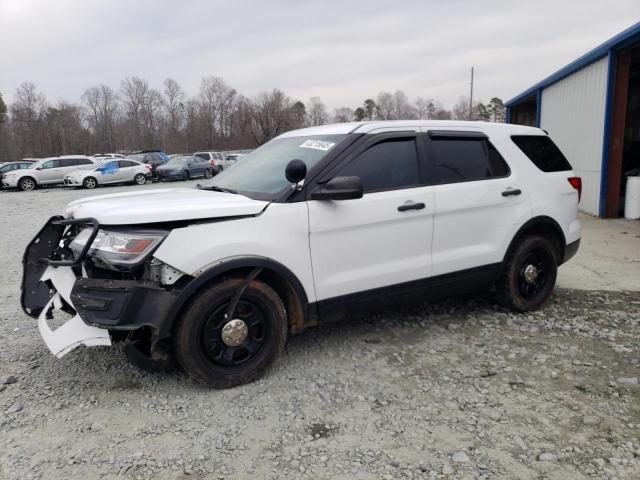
point(339, 188)
point(296, 171)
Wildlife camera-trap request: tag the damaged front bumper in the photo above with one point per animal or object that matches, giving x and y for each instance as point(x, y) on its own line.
point(73, 332)
point(55, 283)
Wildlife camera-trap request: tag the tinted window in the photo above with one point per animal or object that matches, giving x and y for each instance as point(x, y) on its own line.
point(466, 159)
point(203, 155)
point(69, 162)
point(126, 163)
point(542, 152)
point(386, 166)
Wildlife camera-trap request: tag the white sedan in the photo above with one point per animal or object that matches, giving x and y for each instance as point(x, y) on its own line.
point(110, 171)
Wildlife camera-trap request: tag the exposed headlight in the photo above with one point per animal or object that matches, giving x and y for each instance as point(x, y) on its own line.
point(115, 249)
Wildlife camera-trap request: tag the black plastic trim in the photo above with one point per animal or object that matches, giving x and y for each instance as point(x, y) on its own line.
point(570, 250)
point(430, 288)
point(456, 134)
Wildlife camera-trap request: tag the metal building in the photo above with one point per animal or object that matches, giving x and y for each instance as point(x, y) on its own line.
point(591, 108)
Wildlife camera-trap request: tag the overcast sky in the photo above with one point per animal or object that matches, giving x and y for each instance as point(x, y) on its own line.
point(342, 51)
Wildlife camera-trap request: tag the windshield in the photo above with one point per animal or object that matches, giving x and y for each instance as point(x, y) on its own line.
point(262, 171)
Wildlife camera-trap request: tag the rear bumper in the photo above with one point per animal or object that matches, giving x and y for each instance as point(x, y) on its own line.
point(570, 250)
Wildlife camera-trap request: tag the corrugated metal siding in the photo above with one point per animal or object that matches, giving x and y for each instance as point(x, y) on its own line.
point(573, 112)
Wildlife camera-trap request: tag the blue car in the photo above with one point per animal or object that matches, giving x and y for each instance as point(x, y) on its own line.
point(184, 167)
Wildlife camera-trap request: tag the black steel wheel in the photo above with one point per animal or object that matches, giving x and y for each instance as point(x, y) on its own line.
point(529, 274)
point(226, 352)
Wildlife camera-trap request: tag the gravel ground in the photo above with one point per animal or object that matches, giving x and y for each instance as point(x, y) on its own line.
point(455, 389)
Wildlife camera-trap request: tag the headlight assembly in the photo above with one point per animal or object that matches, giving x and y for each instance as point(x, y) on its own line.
point(119, 249)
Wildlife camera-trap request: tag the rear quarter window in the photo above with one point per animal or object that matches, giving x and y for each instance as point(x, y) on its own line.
point(541, 150)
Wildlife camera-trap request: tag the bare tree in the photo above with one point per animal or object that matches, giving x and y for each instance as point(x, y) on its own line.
point(27, 112)
point(271, 115)
point(343, 114)
point(316, 112)
point(174, 98)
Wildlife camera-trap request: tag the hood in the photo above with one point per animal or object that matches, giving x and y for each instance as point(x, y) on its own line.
point(163, 205)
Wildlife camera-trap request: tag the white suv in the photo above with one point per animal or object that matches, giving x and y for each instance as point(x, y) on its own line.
point(48, 171)
point(315, 225)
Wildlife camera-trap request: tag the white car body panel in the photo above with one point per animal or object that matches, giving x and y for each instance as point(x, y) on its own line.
point(163, 205)
point(47, 176)
point(367, 243)
point(281, 233)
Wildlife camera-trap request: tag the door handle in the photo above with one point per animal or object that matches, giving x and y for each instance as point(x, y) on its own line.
point(411, 206)
point(512, 191)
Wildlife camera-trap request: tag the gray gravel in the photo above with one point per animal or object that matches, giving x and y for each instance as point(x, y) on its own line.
point(455, 389)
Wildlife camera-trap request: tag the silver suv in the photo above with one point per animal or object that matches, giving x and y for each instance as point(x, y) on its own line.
point(48, 171)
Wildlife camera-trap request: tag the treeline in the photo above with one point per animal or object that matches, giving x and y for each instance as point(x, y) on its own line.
point(137, 116)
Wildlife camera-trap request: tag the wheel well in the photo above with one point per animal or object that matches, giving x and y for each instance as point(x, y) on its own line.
point(28, 176)
point(295, 305)
point(544, 227)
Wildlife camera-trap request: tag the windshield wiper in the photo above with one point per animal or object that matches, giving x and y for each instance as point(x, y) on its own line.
point(215, 188)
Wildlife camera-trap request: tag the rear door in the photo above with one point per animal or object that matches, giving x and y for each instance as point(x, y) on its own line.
point(127, 170)
point(478, 200)
point(383, 238)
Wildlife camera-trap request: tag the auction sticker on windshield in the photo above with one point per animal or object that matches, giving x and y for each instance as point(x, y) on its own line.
point(317, 145)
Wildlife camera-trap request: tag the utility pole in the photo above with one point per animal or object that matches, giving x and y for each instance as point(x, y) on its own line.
point(471, 97)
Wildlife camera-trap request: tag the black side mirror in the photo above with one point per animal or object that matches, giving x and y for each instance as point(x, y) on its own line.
point(339, 188)
point(296, 171)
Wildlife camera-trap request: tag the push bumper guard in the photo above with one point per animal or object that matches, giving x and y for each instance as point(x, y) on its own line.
point(47, 280)
point(52, 281)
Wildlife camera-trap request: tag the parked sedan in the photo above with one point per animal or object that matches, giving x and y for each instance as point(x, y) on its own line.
point(11, 166)
point(154, 158)
point(184, 168)
point(110, 171)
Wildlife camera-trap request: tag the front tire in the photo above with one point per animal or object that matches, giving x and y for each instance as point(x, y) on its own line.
point(529, 275)
point(140, 179)
point(90, 183)
point(185, 175)
point(224, 352)
point(26, 184)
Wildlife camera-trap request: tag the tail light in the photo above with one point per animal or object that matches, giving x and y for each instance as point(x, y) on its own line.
point(149, 167)
point(576, 182)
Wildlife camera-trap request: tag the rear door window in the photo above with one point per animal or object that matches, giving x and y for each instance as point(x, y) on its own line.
point(462, 159)
point(126, 163)
point(542, 152)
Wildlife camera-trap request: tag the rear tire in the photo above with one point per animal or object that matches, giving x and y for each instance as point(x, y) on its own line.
point(201, 338)
point(207, 173)
point(90, 183)
point(529, 275)
point(26, 184)
point(140, 179)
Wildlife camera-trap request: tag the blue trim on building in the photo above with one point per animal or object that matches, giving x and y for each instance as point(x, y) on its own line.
point(622, 40)
point(538, 107)
point(606, 140)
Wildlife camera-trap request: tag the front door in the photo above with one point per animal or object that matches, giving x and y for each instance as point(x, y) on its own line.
point(379, 240)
